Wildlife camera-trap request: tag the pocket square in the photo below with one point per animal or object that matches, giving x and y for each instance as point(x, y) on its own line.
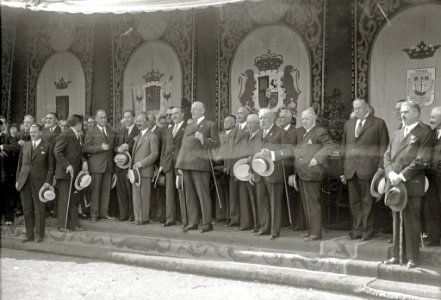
point(309, 142)
point(42, 152)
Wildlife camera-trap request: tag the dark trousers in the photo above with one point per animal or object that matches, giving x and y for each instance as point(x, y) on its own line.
point(223, 186)
point(33, 209)
point(246, 211)
point(432, 209)
point(269, 206)
point(100, 194)
point(310, 195)
point(124, 193)
point(362, 206)
point(252, 194)
point(234, 215)
point(197, 196)
point(412, 229)
point(62, 208)
point(7, 200)
point(171, 197)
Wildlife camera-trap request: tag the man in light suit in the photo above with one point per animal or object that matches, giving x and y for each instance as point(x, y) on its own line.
point(169, 154)
point(270, 189)
point(314, 146)
point(365, 139)
point(432, 206)
point(99, 143)
point(194, 160)
point(238, 191)
point(145, 153)
point(125, 142)
point(35, 170)
point(69, 158)
point(407, 155)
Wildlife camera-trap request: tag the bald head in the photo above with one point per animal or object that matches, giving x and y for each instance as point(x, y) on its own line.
point(435, 118)
point(253, 123)
point(197, 110)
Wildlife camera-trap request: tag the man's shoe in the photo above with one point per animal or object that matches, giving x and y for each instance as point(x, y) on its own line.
point(366, 238)
point(411, 264)
point(254, 230)
point(206, 228)
point(27, 240)
point(259, 233)
point(305, 234)
point(39, 240)
point(391, 261)
point(109, 218)
point(353, 236)
point(294, 228)
point(123, 219)
point(312, 238)
point(190, 227)
point(145, 222)
point(63, 229)
point(78, 228)
point(94, 220)
point(243, 228)
point(274, 236)
point(169, 224)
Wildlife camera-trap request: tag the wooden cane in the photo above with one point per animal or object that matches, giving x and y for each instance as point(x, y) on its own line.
point(214, 179)
point(286, 192)
point(401, 237)
point(68, 201)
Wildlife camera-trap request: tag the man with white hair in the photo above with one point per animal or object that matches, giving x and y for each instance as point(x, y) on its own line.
point(311, 155)
point(25, 136)
point(194, 161)
point(432, 203)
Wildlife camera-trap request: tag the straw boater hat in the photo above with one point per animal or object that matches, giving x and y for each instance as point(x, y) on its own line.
point(262, 164)
point(396, 197)
point(46, 194)
point(179, 181)
point(292, 181)
point(123, 160)
point(378, 185)
point(241, 169)
point(82, 181)
point(134, 176)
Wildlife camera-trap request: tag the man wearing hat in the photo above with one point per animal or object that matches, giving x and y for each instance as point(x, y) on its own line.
point(270, 182)
point(365, 139)
point(99, 143)
point(194, 160)
point(237, 189)
point(432, 206)
point(404, 161)
point(169, 154)
point(35, 170)
point(144, 154)
point(69, 159)
point(125, 142)
point(314, 146)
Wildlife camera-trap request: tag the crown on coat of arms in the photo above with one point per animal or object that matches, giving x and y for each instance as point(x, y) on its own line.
point(152, 76)
point(268, 61)
point(62, 84)
point(422, 50)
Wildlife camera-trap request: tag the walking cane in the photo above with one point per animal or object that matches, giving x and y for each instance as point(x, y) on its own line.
point(401, 237)
point(68, 200)
point(286, 192)
point(214, 179)
point(184, 198)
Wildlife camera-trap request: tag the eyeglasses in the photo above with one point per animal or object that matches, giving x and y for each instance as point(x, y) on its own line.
point(169, 115)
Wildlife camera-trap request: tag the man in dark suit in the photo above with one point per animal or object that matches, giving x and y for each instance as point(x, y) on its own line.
point(238, 191)
point(221, 156)
point(250, 145)
point(35, 170)
point(194, 160)
point(99, 143)
point(125, 142)
point(288, 123)
point(270, 189)
point(314, 146)
point(365, 139)
point(169, 154)
point(157, 209)
point(404, 160)
point(8, 166)
point(24, 136)
point(69, 161)
point(145, 153)
point(432, 206)
point(50, 132)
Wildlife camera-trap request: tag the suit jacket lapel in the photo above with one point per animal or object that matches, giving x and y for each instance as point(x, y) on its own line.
point(402, 142)
point(308, 134)
point(368, 123)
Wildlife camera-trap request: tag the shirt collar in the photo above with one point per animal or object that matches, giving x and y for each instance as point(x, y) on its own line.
point(242, 125)
point(254, 133)
point(179, 124)
point(411, 127)
point(365, 117)
point(200, 120)
point(228, 131)
point(76, 133)
point(287, 127)
point(100, 128)
point(37, 142)
point(144, 131)
point(153, 128)
point(130, 128)
point(268, 130)
point(310, 128)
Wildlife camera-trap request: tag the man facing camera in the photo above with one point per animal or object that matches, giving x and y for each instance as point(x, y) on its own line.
point(98, 145)
point(35, 170)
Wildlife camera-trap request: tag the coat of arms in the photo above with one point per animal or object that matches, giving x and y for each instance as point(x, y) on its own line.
point(267, 86)
point(421, 86)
